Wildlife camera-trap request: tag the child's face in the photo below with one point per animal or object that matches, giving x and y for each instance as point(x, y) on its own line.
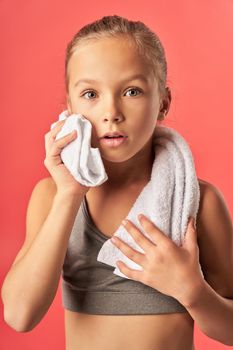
point(109, 102)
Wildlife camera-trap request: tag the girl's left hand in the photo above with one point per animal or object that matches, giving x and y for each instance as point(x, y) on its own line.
point(171, 269)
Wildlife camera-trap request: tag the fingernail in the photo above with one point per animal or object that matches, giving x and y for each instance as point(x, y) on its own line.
point(124, 222)
point(113, 239)
point(194, 224)
point(191, 221)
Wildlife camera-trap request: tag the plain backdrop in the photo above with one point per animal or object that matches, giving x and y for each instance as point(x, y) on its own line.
point(197, 36)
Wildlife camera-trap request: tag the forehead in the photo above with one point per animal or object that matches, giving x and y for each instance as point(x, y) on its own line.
point(107, 57)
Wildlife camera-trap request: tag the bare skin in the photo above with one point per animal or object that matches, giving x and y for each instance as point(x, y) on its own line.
point(111, 109)
point(128, 168)
point(137, 332)
point(83, 331)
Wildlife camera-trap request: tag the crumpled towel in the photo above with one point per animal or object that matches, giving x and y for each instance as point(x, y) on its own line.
point(83, 161)
point(170, 197)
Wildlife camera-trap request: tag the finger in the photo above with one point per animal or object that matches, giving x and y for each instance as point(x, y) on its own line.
point(190, 239)
point(131, 253)
point(50, 136)
point(131, 273)
point(62, 141)
point(158, 237)
point(137, 235)
point(54, 148)
point(58, 126)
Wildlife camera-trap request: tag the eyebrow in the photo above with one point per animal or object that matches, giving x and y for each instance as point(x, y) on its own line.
point(133, 77)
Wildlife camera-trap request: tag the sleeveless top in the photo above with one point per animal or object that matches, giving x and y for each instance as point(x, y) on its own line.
point(90, 286)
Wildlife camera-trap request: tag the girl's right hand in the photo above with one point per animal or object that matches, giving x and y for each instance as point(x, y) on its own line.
point(64, 180)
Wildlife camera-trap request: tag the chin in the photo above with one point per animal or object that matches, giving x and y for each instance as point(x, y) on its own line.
point(114, 159)
point(117, 158)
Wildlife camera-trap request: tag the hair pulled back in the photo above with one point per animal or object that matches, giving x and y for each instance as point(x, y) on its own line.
point(146, 42)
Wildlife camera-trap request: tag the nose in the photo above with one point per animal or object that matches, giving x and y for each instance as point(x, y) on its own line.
point(112, 111)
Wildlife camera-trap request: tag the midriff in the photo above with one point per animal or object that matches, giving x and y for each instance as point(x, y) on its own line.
point(134, 332)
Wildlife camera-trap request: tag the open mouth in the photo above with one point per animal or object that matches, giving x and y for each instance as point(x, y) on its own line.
point(113, 141)
point(113, 137)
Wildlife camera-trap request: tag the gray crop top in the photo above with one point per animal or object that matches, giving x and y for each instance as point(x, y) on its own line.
point(89, 286)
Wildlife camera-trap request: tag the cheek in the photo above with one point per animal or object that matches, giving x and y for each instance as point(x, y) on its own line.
point(143, 125)
point(144, 114)
point(77, 108)
point(78, 104)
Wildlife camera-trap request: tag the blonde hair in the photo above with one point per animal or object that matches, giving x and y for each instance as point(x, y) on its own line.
point(143, 39)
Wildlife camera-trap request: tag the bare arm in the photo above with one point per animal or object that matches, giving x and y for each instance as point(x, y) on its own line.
point(31, 284)
point(211, 305)
point(212, 313)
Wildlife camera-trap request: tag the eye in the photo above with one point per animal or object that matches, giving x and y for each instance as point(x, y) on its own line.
point(134, 89)
point(87, 92)
point(93, 92)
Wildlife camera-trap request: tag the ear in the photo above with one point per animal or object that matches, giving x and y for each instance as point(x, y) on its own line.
point(165, 103)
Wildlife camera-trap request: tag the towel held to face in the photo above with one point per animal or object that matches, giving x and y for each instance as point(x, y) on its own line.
point(83, 161)
point(170, 197)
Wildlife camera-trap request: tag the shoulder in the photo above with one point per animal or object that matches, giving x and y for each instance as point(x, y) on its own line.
point(213, 206)
point(206, 188)
point(215, 238)
point(43, 194)
point(47, 186)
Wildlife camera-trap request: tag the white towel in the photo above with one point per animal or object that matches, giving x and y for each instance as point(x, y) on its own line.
point(168, 199)
point(83, 161)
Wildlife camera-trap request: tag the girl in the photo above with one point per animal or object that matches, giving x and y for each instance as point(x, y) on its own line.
point(106, 61)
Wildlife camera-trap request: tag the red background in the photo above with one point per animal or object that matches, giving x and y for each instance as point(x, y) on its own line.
point(197, 36)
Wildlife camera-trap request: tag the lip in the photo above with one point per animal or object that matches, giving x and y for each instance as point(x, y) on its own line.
point(115, 142)
point(114, 133)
